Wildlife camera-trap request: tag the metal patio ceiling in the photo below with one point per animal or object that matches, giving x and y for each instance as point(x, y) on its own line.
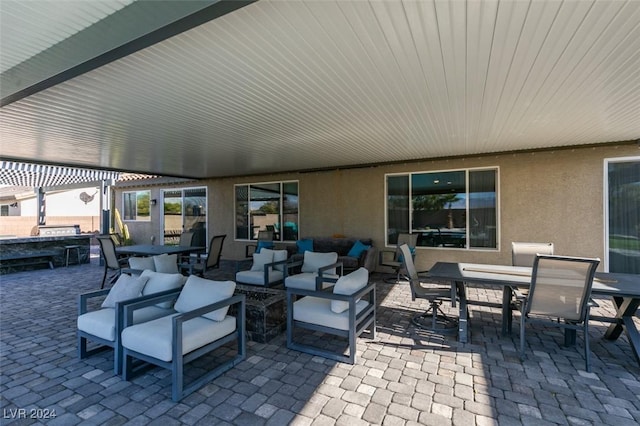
point(224, 88)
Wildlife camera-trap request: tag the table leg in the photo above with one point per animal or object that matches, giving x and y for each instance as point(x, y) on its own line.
point(507, 315)
point(626, 309)
point(464, 314)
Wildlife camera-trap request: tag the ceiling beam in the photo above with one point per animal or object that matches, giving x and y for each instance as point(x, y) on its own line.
point(134, 27)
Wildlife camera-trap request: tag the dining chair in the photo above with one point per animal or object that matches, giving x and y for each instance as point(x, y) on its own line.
point(197, 266)
point(111, 260)
point(560, 289)
point(393, 258)
point(522, 254)
point(186, 239)
point(433, 319)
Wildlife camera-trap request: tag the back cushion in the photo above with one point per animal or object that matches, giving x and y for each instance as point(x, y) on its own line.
point(127, 287)
point(260, 259)
point(158, 281)
point(167, 263)
point(313, 261)
point(199, 292)
point(142, 263)
point(349, 284)
point(278, 255)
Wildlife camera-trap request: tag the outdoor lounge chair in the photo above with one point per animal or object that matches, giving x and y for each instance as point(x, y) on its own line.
point(103, 326)
point(433, 319)
point(312, 266)
point(346, 310)
point(201, 325)
point(560, 289)
point(268, 269)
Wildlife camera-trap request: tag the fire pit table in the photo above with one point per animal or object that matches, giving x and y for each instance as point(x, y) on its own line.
point(266, 312)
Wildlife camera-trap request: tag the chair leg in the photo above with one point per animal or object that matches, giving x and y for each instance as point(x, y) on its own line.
point(104, 277)
point(522, 327)
point(82, 347)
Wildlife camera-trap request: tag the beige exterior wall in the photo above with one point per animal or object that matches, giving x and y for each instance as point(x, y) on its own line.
point(543, 196)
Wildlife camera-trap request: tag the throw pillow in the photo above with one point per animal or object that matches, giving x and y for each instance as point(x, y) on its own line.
point(142, 263)
point(127, 287)
point(357, 249)
point(264, 245)
point(199, 292)
point(304, 245)
point(314, 261)
point(158, 281)
point(261, 259)
point(346, 285)
point(166, 263)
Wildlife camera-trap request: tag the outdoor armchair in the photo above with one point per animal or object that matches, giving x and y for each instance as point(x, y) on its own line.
point(312, 266)
point(560, 290)
point(268, 268)
point(201, 325)
point(346, 310)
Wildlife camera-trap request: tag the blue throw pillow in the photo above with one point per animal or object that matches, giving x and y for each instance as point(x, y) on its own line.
point(304, 245)
point(264, 244)
point(357, 249)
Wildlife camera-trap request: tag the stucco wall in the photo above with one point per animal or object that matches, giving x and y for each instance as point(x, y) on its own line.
point(543, 196)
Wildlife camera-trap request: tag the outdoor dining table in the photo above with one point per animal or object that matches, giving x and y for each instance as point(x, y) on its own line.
point(154, 250)
point(624, 289)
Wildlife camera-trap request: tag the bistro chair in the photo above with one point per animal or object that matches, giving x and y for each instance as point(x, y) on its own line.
point(393, 258)
point(111, 260)
point(433, 319)
point(560, 290)
point(197, 266)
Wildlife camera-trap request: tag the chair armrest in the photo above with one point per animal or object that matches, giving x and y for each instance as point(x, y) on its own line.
point(268, 266)
point(124, 309)
point(240, 264)
point(84, 298)
point(293, 263)
point(239, 298)
point(337, 265)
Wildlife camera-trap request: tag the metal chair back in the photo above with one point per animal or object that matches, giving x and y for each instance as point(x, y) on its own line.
point(215, 251)
point(186, 239)
point(108, 250)
point(523, 254)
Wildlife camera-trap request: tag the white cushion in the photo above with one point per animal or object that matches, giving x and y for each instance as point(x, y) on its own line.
point(199, 292)
point(142, 263)
point(167, 263)
point(257, 278)
point(306, 281)
point(314, 261)
point(278, 255)
point(154, 338)
point(157, 282)
point(127, 287)
point(315, 310)
point(102, 323)
point(260, 259)
point(348, 284)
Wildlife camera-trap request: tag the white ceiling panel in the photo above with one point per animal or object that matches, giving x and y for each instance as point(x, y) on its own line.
point(301, 85)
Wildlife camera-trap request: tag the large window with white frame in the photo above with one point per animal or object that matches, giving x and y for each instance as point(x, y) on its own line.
point(135, 205)
point(269, 206)
point(622, 211)
point(451, 208)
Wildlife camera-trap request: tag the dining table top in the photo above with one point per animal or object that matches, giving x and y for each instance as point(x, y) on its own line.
point(154, 250)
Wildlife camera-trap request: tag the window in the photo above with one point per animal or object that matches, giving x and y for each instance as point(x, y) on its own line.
point(267, 206)
point(4, 210)
point(135, 205)
point(185, 210)
point(622, 206)
point(455, 208)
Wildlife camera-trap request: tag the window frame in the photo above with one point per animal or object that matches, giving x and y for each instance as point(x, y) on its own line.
point(281, 213)
point(124, 204)
point(466, 171)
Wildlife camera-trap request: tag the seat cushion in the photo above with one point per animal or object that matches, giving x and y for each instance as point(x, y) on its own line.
point(199, 292)
point(306, 281)
point(315, 310)
point(166, 263)
point(127, 287)
point(158, 282)
point(142, 263)
point(102, 323)
point(347, 285)
point(314, 261)
point(154, 338)
point(257, 278)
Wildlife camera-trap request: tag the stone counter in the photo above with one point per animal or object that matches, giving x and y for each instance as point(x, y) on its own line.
point(27, 245)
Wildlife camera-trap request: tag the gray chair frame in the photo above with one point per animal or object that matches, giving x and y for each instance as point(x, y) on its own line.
point(83, 337)
point(440, 322)
point(111, 260)
point(178, 359)
point(212, 261)
point(365, 319)
point(572, 325)
point(393, 258)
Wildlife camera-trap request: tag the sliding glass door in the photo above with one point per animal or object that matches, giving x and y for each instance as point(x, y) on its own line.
point(622, 206)
point(185, 210)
